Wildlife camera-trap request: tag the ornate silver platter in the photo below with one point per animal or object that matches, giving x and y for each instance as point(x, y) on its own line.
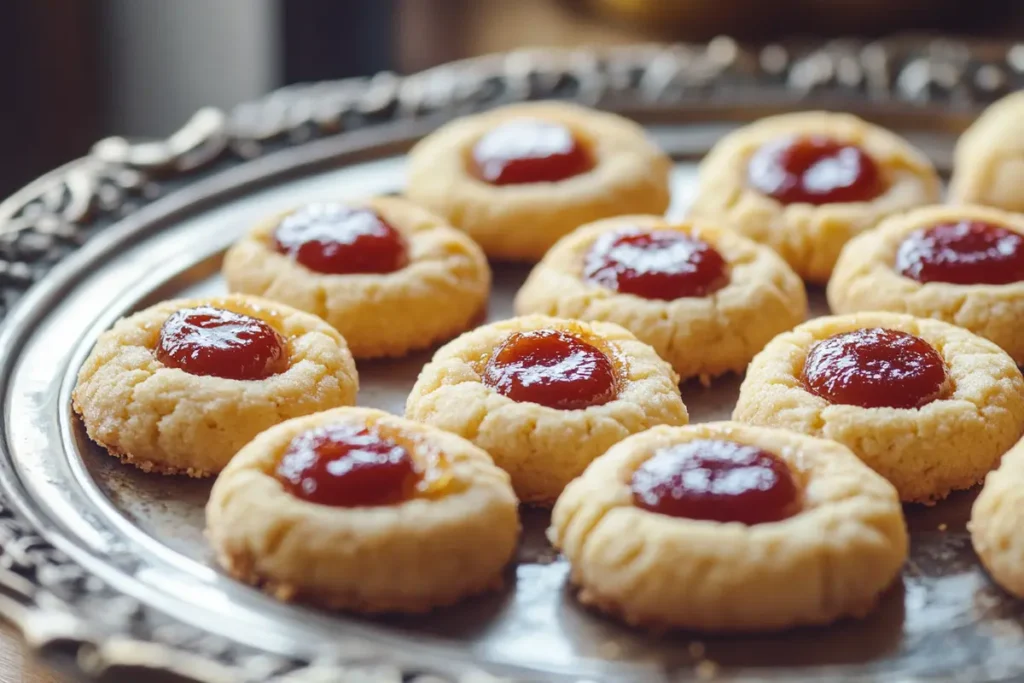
point(105, 569)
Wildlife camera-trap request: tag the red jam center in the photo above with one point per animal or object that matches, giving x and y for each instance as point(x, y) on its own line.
point(347, 466)
point(212, 341)
point(656, 264)
point(814, 170)
point(529, 151)
point(875, 368)
point(340, 240)
point(964, 253)
point(552, 368)
point(716, 480)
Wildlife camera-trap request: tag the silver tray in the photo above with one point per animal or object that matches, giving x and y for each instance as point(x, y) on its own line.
point(105, 570)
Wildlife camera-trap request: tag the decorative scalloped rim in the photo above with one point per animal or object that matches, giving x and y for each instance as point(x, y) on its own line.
point(50, 598)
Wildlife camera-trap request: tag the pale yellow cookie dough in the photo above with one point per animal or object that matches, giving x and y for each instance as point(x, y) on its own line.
point(948, 444)
point(810, 237)
point(165, 420)
point(436, 296)
point(988, 165)
point(521, 222)
point(830, 560)
point(699, 336)
point(544, 448)
point(997, 531)
point(425, 552)
point(865, 279)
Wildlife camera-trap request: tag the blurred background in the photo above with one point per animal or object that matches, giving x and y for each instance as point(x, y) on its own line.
point(73, 71)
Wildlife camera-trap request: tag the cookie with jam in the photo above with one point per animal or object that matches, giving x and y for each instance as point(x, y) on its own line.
point(961, 264)
point(545, 396)
point(179, 387)
point(359, 510)
point(730, 527)
point(389, 275)
point(518, 178)
point(929, 406)
point(988, 164)
point(706, 298)
point(806, 183)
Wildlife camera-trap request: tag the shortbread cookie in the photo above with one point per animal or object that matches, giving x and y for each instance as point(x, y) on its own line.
point(705, 298)
point(929, 406)
point(806, 183)
point(520, 177)
point(961, 264)
point(180, 387)
point(545, 396)
point(988, 164)
point(729, 527)
point(360, 510)
point(387, 274)
point(996, 529)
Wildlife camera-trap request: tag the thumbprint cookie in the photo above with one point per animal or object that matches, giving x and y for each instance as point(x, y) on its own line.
point(520, 177)
point(705, 298)
point(545, 396)
point(929, 406)
point(806, 183)
point(729, 527)
point(961, 264)
point(390, 276)
point(996, 529)
point(988, 165)
point(360, 510)
point(179, 387)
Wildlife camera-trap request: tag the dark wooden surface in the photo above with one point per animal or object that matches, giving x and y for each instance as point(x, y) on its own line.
point(49, 93)
point(17, 666)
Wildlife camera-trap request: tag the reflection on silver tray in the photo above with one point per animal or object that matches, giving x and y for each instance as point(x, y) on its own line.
point(105, 563)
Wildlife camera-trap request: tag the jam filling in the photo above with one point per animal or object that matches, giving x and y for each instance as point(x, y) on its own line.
point(529, 151)
point(963, 253)
point(875, 368)
point(655, 264)
point(212, 341)
point(347, 466)
point(814, 170)
point(553, 368)
point(717, 480)
point(336, 239)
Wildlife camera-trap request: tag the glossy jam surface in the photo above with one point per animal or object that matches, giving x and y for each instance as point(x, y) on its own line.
point(340, 240)
point(963, 253)
point(875, 368)
point(552, 368)
point(655, 264)
point(716, 480)
point(529, 151)
point(347, 466)
point(212, 341)
point(814, 170)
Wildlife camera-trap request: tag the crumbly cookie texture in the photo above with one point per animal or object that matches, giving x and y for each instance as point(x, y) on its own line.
point(435, 297)
point(948, 444)
point(989, 159)
point(810, 237)
point(865, 279)
point(996, 530)
point(165, 420)
point(422, 553)
point(544, 448)
point(521, 222)
point(830, 560)
point(699, 336)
